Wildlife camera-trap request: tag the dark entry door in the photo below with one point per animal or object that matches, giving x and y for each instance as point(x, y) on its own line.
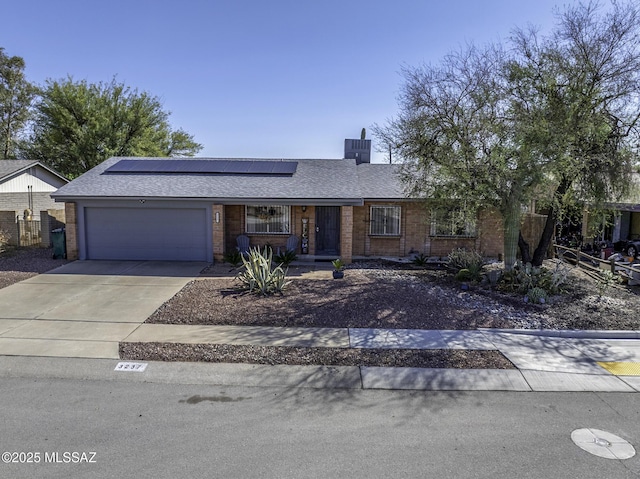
point(328, 230)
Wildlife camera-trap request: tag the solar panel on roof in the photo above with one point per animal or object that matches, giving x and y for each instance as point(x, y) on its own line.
point(285, 167)
point(213, 167)
point(237, 167)
point(261, 167)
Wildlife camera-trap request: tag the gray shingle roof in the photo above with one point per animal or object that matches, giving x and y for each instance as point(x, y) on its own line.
point(324, 181)
point(11, 167)
point(379, 181)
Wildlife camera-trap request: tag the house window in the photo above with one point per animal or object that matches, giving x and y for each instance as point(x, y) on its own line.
point(452, 222)
point(385, 220)
point(273, 219)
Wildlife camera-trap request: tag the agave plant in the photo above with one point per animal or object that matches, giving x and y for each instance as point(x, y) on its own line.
point(258, 275)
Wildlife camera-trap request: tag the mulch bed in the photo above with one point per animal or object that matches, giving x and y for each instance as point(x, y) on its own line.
point(275, 355)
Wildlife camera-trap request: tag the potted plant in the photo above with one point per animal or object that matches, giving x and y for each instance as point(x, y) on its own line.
point(338, 268)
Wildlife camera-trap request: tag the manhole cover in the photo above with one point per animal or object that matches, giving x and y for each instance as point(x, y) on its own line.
point(127, 366)
point(602, 444)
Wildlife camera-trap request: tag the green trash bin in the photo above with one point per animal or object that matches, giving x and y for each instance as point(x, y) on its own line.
point(59, 243)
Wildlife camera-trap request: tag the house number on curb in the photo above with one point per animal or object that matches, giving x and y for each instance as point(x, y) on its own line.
point(137, 367)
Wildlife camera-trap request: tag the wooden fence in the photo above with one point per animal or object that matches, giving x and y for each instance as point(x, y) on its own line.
point(592, 264)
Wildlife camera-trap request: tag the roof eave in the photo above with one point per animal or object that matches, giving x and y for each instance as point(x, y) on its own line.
point(31, 165)
point(390, 198)
point(218, 200)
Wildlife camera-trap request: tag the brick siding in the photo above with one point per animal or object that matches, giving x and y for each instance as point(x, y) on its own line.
point(490, 234)
point(235, 225)
point(8, 224)
point(413, 231)
point(71, 229)
point(346, 233)
point(18, 202)
point(355, 239)
point(218, 234)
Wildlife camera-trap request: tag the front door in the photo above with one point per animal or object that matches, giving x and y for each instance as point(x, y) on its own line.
point(328, 230)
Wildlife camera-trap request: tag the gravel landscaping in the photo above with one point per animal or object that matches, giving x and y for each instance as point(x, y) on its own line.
point(17, 264)
point(374, 294)
point(387, 295)
point(381, 295)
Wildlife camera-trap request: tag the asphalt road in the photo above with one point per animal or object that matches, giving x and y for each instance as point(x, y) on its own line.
point(142, 430)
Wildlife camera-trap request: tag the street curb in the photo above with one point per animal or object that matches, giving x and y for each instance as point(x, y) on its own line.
point(314, 377)
point(569, 333)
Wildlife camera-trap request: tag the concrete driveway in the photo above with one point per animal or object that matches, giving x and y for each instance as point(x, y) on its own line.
point(85, 308)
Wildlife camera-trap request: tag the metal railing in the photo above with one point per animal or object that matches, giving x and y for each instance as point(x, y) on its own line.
point(29, 232)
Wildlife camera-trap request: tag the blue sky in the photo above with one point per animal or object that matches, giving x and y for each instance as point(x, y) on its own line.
point(256, 78)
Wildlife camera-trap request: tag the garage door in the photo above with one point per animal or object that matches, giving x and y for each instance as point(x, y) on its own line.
point(178, 234)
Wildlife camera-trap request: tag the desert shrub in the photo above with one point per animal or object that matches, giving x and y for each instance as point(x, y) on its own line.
point(421, 260)
point(493, 276)
point(524, 277)
point(258, 275)
point(558, 278)
point(537, 295)
point(285, 258)
point(4, 239)
point(607, 278)
point(234, 258)
point(472, 261)
point(520, 279)
point(464, 275)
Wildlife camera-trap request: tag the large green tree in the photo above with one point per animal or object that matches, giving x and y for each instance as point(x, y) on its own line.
point(459, 142)
point(78, 125)
point(16, 95)
point(577, 92)
point(546, 117)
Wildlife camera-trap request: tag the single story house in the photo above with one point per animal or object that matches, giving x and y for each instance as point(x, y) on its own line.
point(26, 184)
point(195, 209)
point(25, 189)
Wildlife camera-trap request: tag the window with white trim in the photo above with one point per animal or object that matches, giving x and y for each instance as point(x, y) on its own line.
point(272, 219)
point(385, 220)
point(452, 222)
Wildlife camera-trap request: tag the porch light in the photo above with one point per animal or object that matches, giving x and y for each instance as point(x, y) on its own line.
point(217, 217)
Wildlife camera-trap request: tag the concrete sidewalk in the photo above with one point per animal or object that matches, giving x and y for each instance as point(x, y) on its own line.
point(83, 310)
point(545, 360)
